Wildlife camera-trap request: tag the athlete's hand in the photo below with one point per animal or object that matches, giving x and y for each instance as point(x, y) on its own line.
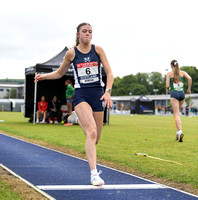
point(107, 98)
point(188, 92)
point(39, 77)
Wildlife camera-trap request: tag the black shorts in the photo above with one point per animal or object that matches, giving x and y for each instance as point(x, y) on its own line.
point(179, 95)
point(91, 96)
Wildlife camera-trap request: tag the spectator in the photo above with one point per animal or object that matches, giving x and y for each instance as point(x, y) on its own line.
point(42, 110)
point(54, 111)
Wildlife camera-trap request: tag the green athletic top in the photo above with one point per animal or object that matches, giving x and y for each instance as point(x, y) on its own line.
point(177, 86)
point(69, 91)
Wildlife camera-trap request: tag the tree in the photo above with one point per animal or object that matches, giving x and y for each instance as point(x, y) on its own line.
point(156, 81)
point(12, 81)
point(143, 79)
point(139, 89)
point(124, 86)
point(193, 72)
point(115, 88)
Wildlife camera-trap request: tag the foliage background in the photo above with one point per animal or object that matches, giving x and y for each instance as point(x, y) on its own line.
point(144, 83)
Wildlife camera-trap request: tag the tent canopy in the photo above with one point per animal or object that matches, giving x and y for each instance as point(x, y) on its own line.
point(47, 88)
point(142, 105)
point(50, 65)
point(142, 98)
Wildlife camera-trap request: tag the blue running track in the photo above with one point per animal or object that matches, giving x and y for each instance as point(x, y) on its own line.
point(64, 177)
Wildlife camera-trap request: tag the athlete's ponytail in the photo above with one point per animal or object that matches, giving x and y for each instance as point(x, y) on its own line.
point(78, 29)
point(175, 67)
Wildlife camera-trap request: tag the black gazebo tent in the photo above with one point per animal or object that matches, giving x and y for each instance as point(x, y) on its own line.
point(142, 105)
point(48, 88)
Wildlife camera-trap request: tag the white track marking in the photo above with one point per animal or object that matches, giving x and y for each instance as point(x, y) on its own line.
point(27, 182)
point(104, 187)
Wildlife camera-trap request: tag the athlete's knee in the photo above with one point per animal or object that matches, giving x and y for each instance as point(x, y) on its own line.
point(92, 134)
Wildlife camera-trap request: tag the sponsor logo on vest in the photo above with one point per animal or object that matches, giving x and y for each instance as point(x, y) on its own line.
point(87, 59)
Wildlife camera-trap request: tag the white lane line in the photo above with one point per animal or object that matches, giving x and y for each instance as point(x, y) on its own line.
point(104, 187)
point(27, 182)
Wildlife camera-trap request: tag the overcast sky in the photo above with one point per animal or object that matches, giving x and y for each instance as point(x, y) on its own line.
point(137, 35)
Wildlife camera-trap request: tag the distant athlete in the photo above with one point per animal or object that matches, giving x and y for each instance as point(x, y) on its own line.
point(175, 85)
point(89, 96)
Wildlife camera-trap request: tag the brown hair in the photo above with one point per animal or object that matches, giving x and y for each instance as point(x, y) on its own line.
point(78, 29)
point(176, 70)
point(68, 81)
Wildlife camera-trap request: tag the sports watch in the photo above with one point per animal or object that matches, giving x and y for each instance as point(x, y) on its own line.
point(108, 90)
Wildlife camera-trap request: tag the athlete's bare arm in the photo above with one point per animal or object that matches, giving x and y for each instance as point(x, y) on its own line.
point(107, 68)
point(168, 75)
point(186, 75)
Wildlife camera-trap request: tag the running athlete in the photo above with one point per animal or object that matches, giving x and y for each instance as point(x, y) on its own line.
point(89, 96)
point(175, 85)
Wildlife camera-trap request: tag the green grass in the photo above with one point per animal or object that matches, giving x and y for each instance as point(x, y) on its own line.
point(7, 193)
point(126, 134)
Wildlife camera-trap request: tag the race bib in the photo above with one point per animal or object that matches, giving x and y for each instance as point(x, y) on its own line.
point(88, 72)
point(178, 86)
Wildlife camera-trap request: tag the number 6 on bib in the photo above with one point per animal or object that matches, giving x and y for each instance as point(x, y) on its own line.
point(88, 72)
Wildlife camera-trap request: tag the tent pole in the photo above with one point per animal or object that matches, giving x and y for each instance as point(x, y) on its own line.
point(35, 95)
point(24, 113)
point(107, 116)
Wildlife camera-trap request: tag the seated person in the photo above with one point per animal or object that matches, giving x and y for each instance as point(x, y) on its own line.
point(42, 109)
point(54, 110)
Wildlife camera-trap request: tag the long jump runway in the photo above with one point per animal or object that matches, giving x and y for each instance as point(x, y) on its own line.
point(64, 177)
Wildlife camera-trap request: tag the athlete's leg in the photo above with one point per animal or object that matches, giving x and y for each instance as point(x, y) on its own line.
point(69, 106)
point(180, 104)
point(98, 116)
point(176, 112)
point(87, 122)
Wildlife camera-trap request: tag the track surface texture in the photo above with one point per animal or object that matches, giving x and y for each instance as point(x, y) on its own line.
point(62, 176)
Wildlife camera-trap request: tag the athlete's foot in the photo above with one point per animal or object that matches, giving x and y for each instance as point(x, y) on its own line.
point(96, 180)
point(180, 138)
point(73, 118)
point(68, 124)
point(177, 136)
